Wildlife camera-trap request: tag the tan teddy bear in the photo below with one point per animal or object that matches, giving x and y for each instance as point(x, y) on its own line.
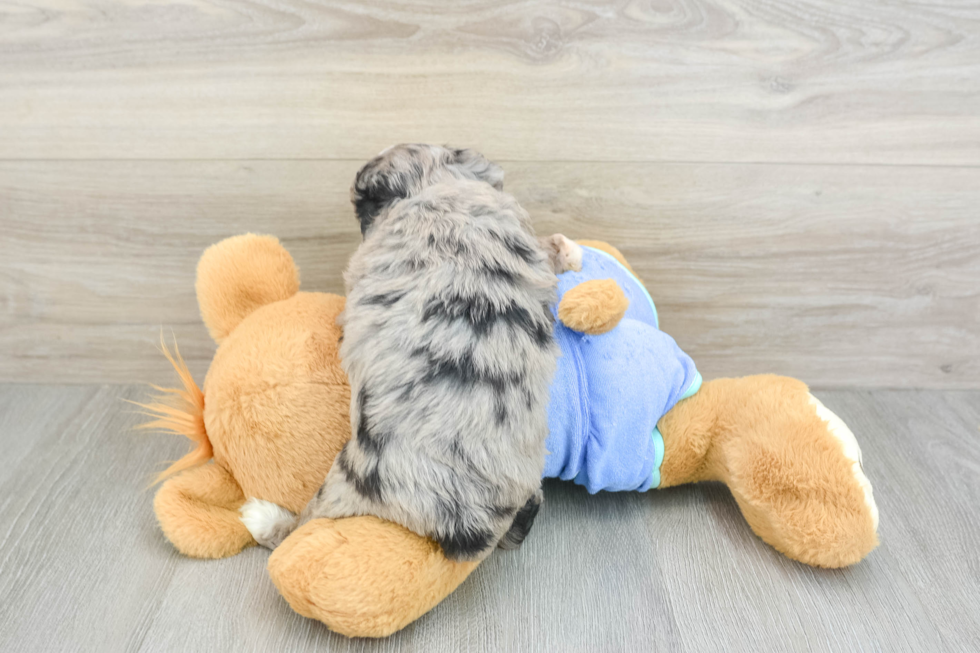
point(274, 412)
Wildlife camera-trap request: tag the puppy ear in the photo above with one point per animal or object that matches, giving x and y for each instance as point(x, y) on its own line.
point(479, 167)
point(376, 186)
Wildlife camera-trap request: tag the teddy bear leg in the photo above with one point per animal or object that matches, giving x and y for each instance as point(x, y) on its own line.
point(361, 576)
point(793, 467)
point(198, 512)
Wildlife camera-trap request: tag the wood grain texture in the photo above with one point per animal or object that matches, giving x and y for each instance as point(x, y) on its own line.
point(83, 566)
point(797, 181)
point(853, 275)
point(640, 80)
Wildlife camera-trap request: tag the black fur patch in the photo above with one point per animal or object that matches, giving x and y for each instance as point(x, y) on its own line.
point(367, 209)
point(462, 372)
point(499, 411)
point(522, 523)
point(465, 544)
point(482, 315)
point(523, 251)
point(365, 439)
point(526, 254)
point(369, 442)
point(383, 299)
point(499, 272)
point(457, 452)
point(368, 486)
point(375, 190)
point(452, 512)
point(540, 331)
point(406, 391)
point(478, 311)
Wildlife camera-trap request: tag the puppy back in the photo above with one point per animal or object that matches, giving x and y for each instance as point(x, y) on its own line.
point(449, 349)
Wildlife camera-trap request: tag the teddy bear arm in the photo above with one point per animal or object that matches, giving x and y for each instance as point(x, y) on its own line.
point(596, 306)
point(593, 307)
point(198, 512)
point(792, 465)
point(361, 576)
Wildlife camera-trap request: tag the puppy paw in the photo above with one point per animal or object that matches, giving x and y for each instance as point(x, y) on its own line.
point(268, 522)
point(564, 254)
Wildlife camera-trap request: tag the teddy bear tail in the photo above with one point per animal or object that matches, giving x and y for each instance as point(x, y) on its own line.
point(179, 411)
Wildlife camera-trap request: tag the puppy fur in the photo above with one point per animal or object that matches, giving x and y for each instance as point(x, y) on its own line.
point(448, 346)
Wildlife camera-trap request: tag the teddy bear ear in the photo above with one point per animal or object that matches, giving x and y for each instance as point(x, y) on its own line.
point(240, 274)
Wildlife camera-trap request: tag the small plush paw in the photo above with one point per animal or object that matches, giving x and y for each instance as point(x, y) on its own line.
point(268, 522)
point(565, 255)
point(594, 307)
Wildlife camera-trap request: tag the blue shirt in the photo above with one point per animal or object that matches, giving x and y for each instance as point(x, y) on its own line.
point(610, 390)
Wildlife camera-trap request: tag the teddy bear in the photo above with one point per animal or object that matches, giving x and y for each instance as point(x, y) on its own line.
point(274, 412)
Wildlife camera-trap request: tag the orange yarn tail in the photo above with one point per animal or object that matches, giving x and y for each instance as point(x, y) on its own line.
point(179, 411)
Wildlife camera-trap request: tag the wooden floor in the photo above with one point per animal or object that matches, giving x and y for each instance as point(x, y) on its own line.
point(83, 566)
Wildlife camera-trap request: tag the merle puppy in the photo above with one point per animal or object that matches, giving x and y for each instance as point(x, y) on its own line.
point(448, 347)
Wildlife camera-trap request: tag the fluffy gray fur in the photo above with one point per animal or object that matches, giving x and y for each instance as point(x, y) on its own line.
point(449, 350)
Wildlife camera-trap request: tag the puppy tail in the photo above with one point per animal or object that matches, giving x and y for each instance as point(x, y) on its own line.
point(522, 523)
point(268, 522)
point(179, 411)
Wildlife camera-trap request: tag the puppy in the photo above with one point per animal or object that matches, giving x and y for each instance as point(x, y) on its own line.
point(448, 347)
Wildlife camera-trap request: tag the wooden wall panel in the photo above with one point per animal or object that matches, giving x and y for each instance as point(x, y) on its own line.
point(595, 80)
point(797, 181)
point(841, 275)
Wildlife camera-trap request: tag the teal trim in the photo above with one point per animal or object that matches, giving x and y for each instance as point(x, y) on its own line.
point(658, 447)
point(693, 388)
point(612, 258)
point(658, 438)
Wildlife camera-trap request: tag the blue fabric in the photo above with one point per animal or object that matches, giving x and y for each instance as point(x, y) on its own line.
point(610, 391)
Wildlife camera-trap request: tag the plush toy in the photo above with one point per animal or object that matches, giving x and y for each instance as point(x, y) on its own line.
point(274, 412)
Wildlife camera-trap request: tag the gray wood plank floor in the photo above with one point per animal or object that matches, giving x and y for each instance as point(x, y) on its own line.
point(83, 566)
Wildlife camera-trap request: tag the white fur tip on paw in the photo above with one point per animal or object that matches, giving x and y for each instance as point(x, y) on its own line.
point(265, 520)
point(852, 451)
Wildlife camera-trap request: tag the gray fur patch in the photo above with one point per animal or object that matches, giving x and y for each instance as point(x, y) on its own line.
point(449, 350)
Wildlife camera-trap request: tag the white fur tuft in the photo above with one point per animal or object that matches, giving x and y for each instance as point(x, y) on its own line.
point(852, 451)
point(264, 519)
